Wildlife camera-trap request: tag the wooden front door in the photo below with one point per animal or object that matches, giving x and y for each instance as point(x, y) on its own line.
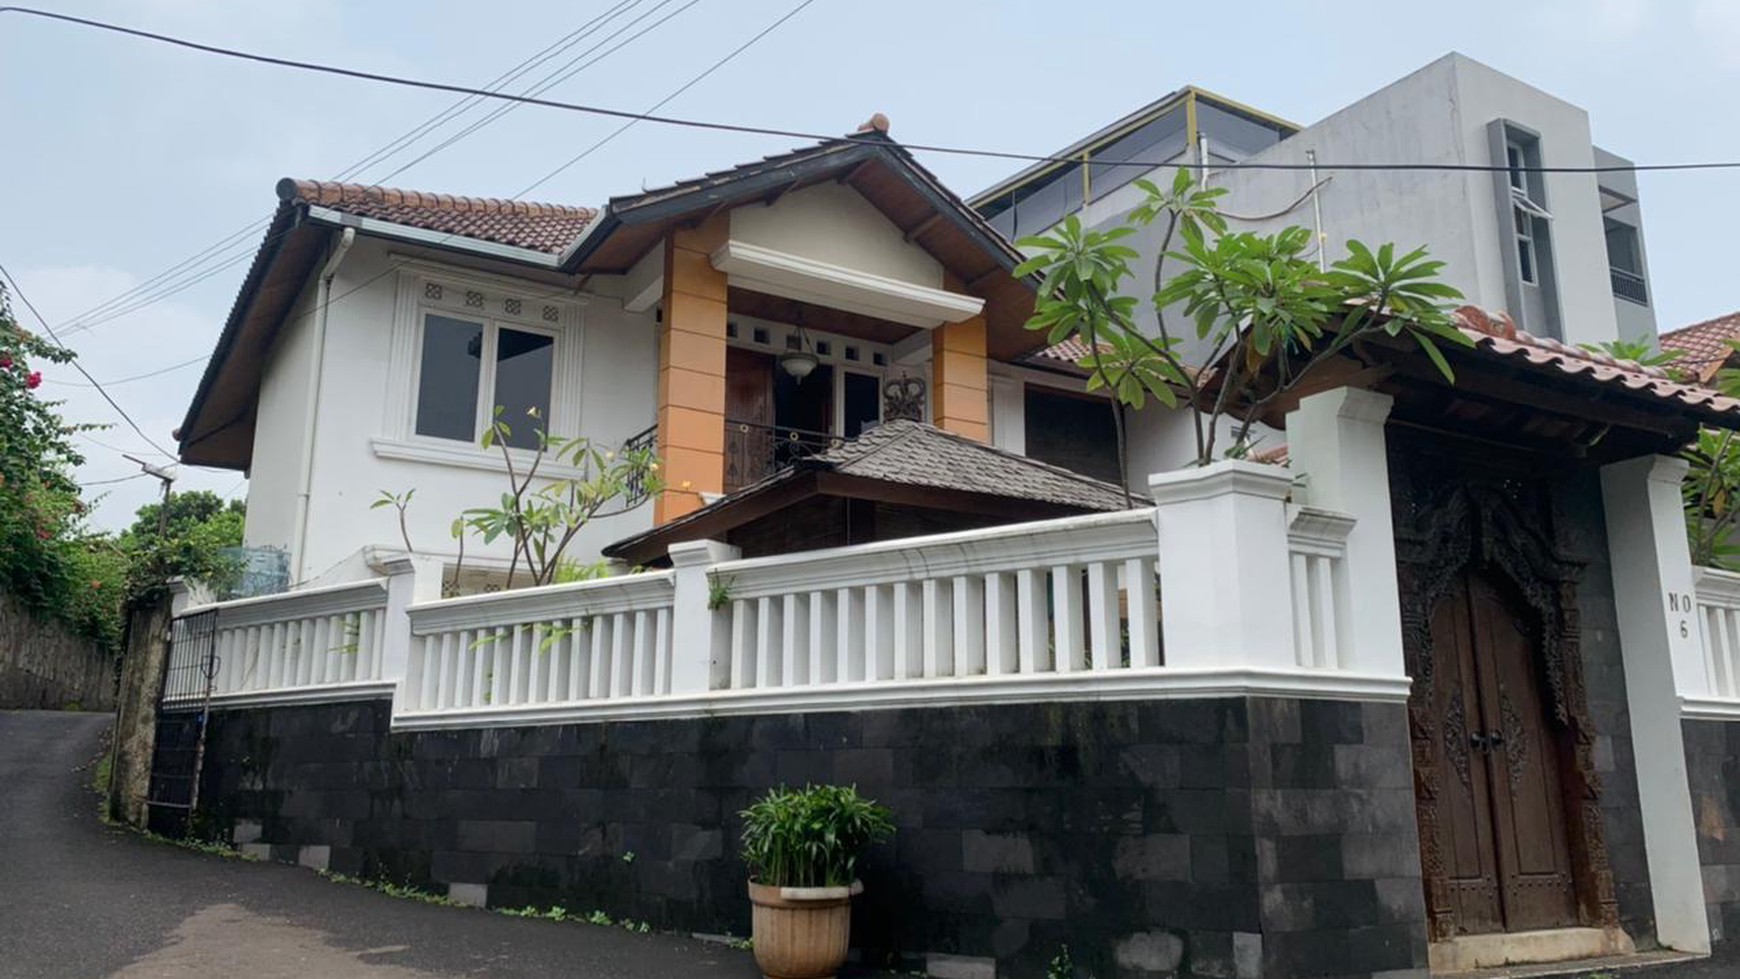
point(1501, 808)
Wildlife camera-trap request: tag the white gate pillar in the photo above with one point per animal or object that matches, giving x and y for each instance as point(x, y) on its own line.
point(700, 637)
point(1660, 643)
point(1335, 442)
point(1225, 577)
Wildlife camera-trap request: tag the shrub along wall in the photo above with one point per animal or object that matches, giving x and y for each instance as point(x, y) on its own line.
point(1228, 837)
point(44, 664)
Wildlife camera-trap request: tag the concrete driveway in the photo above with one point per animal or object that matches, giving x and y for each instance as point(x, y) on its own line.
point(79, 899)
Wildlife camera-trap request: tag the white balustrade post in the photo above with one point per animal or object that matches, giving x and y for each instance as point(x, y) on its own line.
point(700, 636)
point(1335, 444)
point(411, 578)
point(1225, 585)
point(1660, 642)
point(185, 593)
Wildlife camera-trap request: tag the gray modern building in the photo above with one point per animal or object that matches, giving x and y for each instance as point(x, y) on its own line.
point(1563, 253)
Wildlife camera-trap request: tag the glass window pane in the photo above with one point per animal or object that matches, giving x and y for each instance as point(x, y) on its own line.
point(1525, 250)
point(863, 403)
point(447, 378)
point(524, 363)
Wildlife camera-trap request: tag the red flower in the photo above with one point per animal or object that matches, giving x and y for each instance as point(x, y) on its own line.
point(5, 361)
point(34, 381)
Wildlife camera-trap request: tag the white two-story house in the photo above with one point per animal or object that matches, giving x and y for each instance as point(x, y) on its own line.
point(736, 321)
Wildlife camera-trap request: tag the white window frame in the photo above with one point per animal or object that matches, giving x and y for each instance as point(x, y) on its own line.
point(399, 438)
point(484, 412)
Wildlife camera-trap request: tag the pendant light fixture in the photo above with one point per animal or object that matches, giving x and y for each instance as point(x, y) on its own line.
point(800, 359)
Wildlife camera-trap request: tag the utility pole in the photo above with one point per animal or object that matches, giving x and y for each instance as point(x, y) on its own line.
point(168, 479)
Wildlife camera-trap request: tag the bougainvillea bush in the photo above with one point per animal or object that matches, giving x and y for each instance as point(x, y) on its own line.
point(49, 561)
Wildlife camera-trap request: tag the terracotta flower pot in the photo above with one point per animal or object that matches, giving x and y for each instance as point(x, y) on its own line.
point(801, 932)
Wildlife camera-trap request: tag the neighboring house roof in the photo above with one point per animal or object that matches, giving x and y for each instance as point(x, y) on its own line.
point(1704, 347)
point(941, 467)
point(541, 227)
point(1068, 351)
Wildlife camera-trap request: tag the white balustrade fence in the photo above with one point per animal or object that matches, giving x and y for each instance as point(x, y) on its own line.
point(1058, 596)
point(559, 644)
point(295, 644)
point(1718, 603)
point(1067, 608)
point(1322, 594)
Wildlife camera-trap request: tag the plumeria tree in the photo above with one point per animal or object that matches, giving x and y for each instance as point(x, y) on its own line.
point(1242, 319)
point(541, 513)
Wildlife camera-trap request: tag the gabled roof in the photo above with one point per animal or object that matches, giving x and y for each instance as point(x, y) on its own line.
point(941, 467)
point(576, 241)
point(540, 227)
point(1704, 346)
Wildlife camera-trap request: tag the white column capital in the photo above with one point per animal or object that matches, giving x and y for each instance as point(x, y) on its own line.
point(1352, 404)
point(1224, 478)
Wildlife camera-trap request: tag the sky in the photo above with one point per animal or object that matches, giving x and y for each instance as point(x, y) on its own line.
point(122, 158)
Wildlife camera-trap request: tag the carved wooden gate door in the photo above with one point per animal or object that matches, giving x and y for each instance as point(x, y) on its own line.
point(1501, 814)
point(1512, 834)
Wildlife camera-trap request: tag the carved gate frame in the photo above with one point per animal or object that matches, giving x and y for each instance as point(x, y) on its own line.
point(1454, 511)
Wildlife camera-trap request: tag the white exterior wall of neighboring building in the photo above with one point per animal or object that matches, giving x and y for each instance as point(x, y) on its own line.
point(1441, 114)
point(606, 372)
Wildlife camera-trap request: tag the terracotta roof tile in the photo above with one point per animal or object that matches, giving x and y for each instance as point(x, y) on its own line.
point(1070, 350)
point(546, 228)
point(1704, 346)
point(1497, 334)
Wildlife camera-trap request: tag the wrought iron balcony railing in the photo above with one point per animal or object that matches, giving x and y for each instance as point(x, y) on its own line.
point(754, 451)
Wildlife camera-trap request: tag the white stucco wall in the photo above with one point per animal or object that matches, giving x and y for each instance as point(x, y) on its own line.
point(835, 224)
point(617, 388)
point(274, 479)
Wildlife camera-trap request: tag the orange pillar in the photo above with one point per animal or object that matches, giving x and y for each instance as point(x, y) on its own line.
point(960, 383)
point(691, 407)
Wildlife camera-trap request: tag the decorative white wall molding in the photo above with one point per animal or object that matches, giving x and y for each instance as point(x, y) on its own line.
point(796, 277)
point(1158, 683)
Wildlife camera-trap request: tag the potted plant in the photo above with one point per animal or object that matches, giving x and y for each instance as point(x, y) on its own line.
point(802, 847)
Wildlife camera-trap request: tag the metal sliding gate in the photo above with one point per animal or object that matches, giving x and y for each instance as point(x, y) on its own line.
point(179, 755)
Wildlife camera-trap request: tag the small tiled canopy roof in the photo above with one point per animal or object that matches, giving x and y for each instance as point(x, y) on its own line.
point(541, 227)
point(1704, 346)
point(912, 462)
point(916, 454)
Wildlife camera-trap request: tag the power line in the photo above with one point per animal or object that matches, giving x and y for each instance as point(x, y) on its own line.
point(406, 82)
point(80, 367)
point(135, 377)
point(117, 479)
point(160, 286)
point(691, 83)
point(561, 74)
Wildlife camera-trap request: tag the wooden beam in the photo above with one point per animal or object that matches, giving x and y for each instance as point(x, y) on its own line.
point(779, 192)
point(1473, 377)
point(713, 522)
point(923, 226)
point(852, 174)
point(978, 280)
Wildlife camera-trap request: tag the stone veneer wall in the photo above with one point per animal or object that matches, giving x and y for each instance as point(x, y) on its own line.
point(1228, 837)
point(1584, 535)
point(1713, 770)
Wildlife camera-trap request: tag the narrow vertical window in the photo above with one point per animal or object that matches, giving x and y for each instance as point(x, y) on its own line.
point(524, 363)
point(448, 376)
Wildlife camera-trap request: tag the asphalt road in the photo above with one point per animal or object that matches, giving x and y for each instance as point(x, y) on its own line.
point(80, 899)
